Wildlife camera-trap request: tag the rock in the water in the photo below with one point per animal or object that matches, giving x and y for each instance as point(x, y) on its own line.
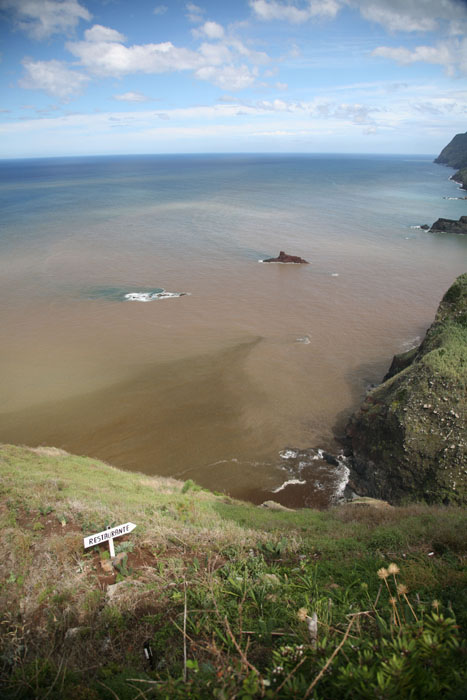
point(409, 437)
point(450, 225)
point(425, 227)
point(285, 258)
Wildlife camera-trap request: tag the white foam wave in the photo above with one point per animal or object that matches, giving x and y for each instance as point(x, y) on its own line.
point(416, 227)
point(412, 343)
point(223, 461)
point(152, 296)
point(289, 454)
point(334, 274)
point(305, 340)
point(289, 482)
point(342, 472)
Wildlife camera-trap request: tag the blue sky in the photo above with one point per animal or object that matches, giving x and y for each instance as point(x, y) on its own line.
point(85, 77)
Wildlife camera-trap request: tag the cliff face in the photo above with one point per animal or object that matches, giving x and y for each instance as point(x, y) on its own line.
point(409, 437)
point(455, 155)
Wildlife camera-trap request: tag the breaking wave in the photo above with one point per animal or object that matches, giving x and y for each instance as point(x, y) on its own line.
point(316, 470)
point(125, 294)
point(153, 296)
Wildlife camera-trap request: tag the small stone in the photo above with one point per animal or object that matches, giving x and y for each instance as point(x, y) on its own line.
point(118, 591)
point(106, 565)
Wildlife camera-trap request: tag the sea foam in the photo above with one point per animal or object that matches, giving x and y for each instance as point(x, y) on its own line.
point(153, 296)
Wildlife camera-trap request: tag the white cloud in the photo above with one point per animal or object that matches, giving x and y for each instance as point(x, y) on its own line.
point(355, 113)
point(107, 57)
point(394, 15)
point(212, 30)
point(42, 18)
point(103, 34)
point(452, 55)
point(254, 56)
point(53, 77)
point(194, 13)
point(160, 10)
point(131, 97)
point(103, 53)
point(412, 15)
point(215, 54)
point(228, 77)
point(416, 111)
point(273, 9)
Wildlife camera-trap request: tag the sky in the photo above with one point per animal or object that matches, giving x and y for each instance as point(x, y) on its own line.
point(90, 77)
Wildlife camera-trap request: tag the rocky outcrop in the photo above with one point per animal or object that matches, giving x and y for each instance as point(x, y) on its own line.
point(455, 156)
point(285, 258)
point(455, 153)
point(461, 178)
point(409, 437)
point(450, 225)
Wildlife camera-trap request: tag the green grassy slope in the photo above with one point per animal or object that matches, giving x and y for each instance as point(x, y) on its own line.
point(234, 600)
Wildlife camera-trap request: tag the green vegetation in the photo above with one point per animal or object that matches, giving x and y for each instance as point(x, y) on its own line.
point(409, 437)
point(461, 177)
point(214, 598)
point(455, 153)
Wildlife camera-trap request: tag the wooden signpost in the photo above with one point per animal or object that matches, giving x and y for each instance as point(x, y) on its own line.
point(108, 536)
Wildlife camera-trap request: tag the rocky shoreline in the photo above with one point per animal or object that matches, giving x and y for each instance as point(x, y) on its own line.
point(450, 225)
point(454, 155)
point(409, 437)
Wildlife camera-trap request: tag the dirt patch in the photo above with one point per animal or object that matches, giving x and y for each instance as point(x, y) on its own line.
point(47, 524)
point(135, 561)
point(131, 564)
point(49, 451)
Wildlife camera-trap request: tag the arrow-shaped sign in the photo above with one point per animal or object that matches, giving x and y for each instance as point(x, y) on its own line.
point(108, 536)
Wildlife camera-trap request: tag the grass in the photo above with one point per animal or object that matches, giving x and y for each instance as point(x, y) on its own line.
point(215, 598)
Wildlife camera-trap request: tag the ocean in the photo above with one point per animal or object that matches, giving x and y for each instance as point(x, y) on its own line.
point(139, 327)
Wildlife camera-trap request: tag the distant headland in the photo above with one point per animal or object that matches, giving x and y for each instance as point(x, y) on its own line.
point(455, 156)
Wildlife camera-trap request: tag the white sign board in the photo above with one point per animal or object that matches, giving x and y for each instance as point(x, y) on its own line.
point(108, 536)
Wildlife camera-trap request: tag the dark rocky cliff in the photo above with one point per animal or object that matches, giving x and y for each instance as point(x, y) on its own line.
point(409, 437)
point(455, 156)
point(450, 225)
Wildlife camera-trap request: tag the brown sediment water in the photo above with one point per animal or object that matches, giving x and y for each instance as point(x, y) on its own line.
point(211, 386)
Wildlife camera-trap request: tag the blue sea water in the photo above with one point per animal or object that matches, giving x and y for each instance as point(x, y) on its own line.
point(215, 383)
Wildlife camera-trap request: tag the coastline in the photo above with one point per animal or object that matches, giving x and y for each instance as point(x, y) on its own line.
point(281, 392)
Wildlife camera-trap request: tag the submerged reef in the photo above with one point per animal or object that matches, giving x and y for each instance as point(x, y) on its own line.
point(409, 436)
